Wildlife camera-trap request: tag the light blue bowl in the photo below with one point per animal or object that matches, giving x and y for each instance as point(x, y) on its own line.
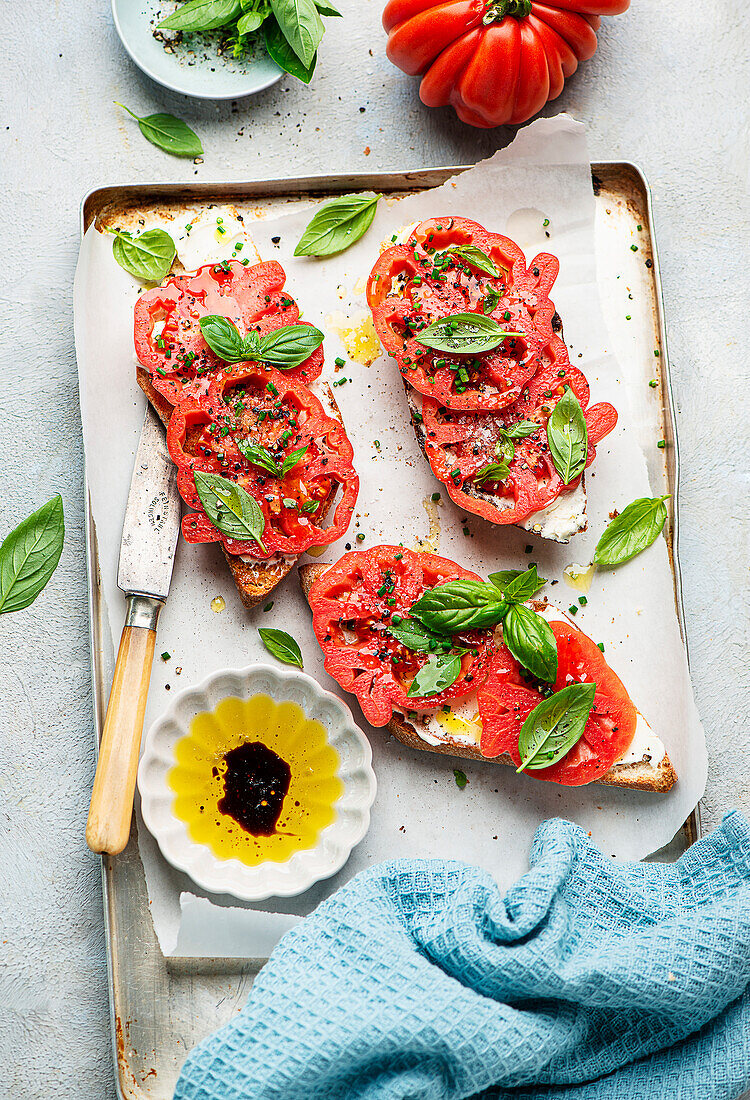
point(201, 73)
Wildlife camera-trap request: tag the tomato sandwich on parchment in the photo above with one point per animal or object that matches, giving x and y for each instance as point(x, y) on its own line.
point(263, 461)
point(479, 669)
point(501, 415)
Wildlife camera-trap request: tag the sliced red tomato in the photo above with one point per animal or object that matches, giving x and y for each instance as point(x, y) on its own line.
point(168, 338)
point(261, 406)
point(413, 285)
point(459, 446)
point(353, 604)
point(509, 694)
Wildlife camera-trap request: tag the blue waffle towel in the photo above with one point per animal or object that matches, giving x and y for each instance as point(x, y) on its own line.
point(589, 979)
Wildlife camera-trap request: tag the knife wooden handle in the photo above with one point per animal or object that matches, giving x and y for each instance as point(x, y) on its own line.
point(111, 811)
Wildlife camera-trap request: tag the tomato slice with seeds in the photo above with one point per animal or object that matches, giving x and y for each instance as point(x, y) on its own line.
point(459, 446)
point(261, 406)
point(509, 694)
point(168, 338)
point(353, 603)
point(423, 281)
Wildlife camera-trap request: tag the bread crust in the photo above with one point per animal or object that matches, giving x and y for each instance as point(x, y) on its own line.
point(640, 776)
point(255, 580)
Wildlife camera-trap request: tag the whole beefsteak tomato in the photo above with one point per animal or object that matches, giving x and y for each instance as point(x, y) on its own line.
point(494, 61)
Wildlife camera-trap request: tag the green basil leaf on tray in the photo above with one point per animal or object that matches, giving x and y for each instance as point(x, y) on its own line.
point(463, 334)
point(259, 456)
point(230, 508)
point(636, 527)
point(201, 15)
point(495, 471)
point(530, 639)
point(29, 556)
point(460, 605)
point(438, 674)
point(168, 133)
point(250, 22)
point(517, 586)
point(415, 635)
point(282, 53)
point(301, 25)
point(292, 459)
point(477, 258)
point(567, 436)
point(490, 300)
point(224, 338)
point(281, 645)
point(555, 726)
point(289, 346)
point(337, 224)
point(148, 256)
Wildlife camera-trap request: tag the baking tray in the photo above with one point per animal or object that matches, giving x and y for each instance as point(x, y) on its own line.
point(162, 1007)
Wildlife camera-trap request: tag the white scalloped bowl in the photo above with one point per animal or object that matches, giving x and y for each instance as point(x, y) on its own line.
point(267, 879)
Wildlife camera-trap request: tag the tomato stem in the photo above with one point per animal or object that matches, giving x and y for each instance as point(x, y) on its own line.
point(497, 10)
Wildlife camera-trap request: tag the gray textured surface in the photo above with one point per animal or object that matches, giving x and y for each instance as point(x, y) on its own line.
point(668, 89)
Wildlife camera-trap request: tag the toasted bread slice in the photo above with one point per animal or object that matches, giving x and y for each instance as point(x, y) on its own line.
point(255, 579)
point(638, 776)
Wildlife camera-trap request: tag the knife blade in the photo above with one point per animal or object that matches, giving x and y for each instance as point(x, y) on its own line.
point(149, 540)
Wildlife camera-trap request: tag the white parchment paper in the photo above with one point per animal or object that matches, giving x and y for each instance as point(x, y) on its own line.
point(419, 810)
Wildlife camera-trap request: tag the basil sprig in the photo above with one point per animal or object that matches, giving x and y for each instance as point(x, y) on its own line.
point(517, 584)
point(281, 645)
point(337, 224)
point(477, 258)
point(494, 471)
point(29, 556)
point(463, 334)
point(230, 508)
point(280, 51)
point(490, 300)
point(285, 347)
point(567, 436)
point(555, 726)
point(201, 15)
point(261, 456)
point(466, 604)
point(505, 448)
point(636, 527)
point(168, 133)
point(440, 672)
point(148, 256)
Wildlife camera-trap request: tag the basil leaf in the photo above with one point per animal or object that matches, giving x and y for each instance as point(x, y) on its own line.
point(282, 53)
point(460, 605)
point(292, 459)
point(301, 25)
point(327, 9)
point(223, 337)
point(281, 645)
point(567, 436)
point(259, 456)
point(201, 15)
point(555, 726)
point(505, 449)
point(460, 778)
point(437, 675)
point(29, 556)
point(530, 639)
point(636, 527)
point(168, 133)
point(230, 508)
point(148, 257)
point(477, 258)
point(490, 300)
point(495, 471)
point(290, 346)
point(337, 224)
point(518, 586)
point(414, 635)
point(250, 22)
point(310, 506)
point(521, 430)
point(463, 334)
